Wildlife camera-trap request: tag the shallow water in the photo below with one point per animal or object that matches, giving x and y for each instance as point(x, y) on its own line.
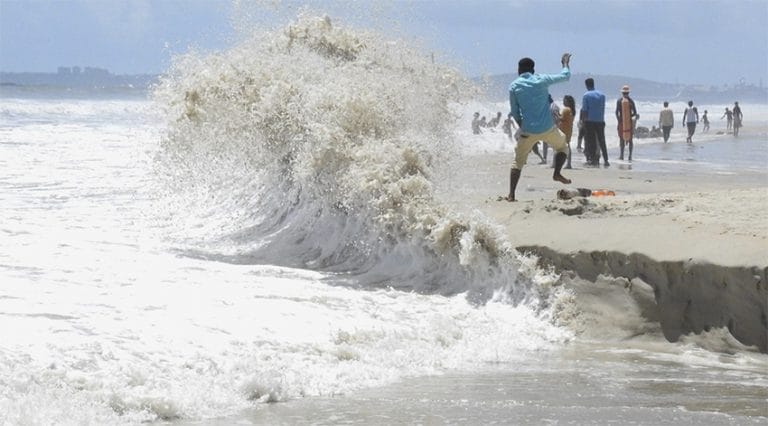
point(580, 384)
point(723, 154)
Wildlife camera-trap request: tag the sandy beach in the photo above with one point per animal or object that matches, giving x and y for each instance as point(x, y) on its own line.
point(665, 216)
point(701, 228)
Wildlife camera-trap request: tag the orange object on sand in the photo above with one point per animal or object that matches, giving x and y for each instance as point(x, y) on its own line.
point(602, 193)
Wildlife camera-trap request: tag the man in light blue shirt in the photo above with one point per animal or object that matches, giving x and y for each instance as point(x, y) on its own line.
point(529, 106)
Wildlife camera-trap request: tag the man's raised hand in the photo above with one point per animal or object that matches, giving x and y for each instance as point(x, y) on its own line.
point(566, 59)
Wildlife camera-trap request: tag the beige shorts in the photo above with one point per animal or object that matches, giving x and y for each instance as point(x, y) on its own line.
point(553, 137)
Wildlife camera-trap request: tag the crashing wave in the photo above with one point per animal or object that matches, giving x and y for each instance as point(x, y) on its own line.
point(317, 147)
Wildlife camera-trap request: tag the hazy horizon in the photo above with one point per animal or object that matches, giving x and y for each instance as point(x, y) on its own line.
point(512, 75)
point(689, 42)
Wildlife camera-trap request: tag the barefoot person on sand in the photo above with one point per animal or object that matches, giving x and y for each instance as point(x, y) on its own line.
point(626, 116)
point(529, 106)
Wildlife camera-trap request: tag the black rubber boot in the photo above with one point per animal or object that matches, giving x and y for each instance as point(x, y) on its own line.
point(514, 177)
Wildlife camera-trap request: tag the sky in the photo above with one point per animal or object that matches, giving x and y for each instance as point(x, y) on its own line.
point(708, 42)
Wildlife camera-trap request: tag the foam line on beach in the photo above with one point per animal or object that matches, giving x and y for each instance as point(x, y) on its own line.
point(691, 297)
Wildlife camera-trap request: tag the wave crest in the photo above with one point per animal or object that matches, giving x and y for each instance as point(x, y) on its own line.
point(320, 144)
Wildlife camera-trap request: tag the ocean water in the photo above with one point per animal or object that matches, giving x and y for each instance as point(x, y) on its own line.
point(715, 150)
point(259, 242)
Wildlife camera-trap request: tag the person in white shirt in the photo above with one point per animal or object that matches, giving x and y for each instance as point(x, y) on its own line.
point(690, 118)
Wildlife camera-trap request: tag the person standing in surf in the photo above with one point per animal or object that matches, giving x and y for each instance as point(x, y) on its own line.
point(705, 120)
point(666, 121)
point(507, 126)
point(529, 106)
point(690, 118)
point(737, 117)
point(729, 115)
point(626, 115)
point(476, 124)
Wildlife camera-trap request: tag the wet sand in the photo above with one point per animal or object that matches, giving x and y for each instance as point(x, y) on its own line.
point(669, 210)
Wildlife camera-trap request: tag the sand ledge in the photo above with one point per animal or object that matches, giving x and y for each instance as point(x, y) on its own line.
point(691, 297)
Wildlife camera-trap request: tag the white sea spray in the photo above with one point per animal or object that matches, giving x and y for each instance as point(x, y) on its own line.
point(327, 140)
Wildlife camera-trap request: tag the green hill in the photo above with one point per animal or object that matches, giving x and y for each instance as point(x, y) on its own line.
point(496, 89)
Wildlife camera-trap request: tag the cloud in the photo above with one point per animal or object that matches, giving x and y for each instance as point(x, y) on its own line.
point(134, 18)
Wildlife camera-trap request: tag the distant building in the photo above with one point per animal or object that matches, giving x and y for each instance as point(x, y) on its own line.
point(80, 77)
point(95, 72)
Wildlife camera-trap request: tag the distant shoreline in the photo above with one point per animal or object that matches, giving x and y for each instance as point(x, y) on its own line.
point(494, 86)
point(91, 78)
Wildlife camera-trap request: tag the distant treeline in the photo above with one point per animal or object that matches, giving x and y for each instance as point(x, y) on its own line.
point(497, 86)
